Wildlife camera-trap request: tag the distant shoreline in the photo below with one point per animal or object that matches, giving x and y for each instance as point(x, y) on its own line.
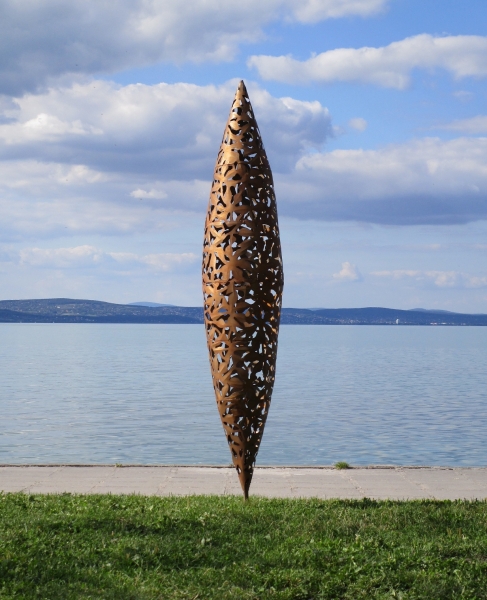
point(183, 322)
point(66, 310)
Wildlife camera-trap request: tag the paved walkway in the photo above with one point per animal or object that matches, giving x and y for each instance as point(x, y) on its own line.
point(283, 482)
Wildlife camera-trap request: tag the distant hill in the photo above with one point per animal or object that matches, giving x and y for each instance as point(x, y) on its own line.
point(66, 310)
point(150, 304)
point(434, 310)
point(377, 316)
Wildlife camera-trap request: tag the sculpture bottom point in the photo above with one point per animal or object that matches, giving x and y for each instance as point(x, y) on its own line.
point(245, 489)
point(245, 479)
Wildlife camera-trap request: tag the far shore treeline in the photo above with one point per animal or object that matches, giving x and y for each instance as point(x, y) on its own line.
point(65, 310)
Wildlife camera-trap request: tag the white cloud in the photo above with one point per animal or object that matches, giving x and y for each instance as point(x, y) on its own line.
point(423, 181)
point(151, 194)
point(358, 124)
point(387, 66)
point(158, 262)
point(168, 261)
point(50, 199)
point(463, 95)
point(348, 272)
point(473, 126)
point(47, 126)
point(90, 256)
point(61, 257)
point(311, 11)
point(41, 39)
point(46, 199)
point(440, 279)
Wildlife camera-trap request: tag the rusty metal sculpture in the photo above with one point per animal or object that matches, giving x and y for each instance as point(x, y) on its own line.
point(242, 285)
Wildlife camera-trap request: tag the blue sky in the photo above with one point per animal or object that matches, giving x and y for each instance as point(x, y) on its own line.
point(373, 114)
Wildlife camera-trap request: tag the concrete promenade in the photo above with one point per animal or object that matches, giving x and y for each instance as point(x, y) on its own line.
point(398, 483)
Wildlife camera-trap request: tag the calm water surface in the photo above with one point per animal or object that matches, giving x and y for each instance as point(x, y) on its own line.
point(143, 394)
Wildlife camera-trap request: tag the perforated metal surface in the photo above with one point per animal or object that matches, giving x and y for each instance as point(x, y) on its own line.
point(242, 285)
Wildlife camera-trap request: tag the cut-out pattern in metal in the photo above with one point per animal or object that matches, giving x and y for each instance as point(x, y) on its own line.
point(242, 285)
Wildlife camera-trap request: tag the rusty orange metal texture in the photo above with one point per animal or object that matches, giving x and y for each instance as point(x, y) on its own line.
point(242, 285)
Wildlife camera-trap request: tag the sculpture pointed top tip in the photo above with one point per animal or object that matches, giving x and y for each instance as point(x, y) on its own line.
point(241, 89)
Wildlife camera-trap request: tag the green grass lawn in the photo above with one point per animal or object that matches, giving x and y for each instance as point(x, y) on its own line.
point(200, 547)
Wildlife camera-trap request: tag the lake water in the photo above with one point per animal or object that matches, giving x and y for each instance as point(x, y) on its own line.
point(143, 394)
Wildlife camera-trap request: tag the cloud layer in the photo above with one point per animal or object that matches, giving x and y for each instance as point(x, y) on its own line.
point(42, 39)
point(86, 256)
point(165, 129)
point(389, 66)
point(103, 158)
point(473, 126)
point(440, 279)
point(423, 181)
